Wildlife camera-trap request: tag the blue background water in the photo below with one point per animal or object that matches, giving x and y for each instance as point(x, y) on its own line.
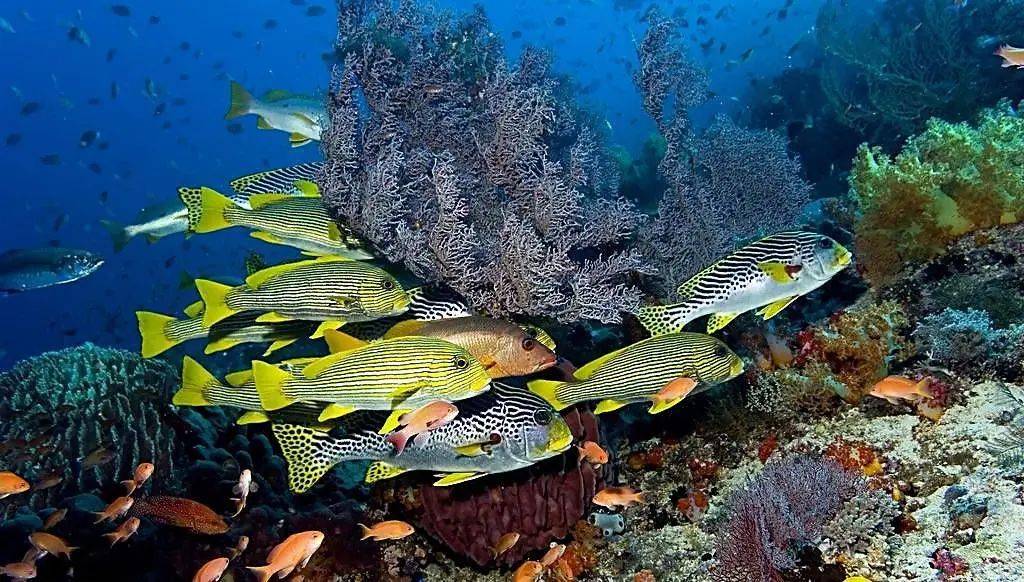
point(146, 161)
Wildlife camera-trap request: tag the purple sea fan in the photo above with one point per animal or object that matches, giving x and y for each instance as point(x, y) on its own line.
point(787, 505)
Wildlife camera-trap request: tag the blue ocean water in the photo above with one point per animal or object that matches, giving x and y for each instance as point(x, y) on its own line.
point(188, 51)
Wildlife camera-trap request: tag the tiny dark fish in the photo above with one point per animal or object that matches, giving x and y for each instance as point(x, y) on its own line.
point(114, 90)
point(559, 21)
point(95, 168)
point(110, 54)
point(94, 101)
point(50, 159)
point(165, 125)
point(103, 146)
point(235, 128)
point(159, 109)
point(517, 34)
point(167, 60)
point(315, 11)
point(30, 108)
point(178, 101)
point(154, 19)
point(104, 196)
point(87, 138)
point(185, 45)
point(169, 262)
point(237, 34)
point(183, 77)
point(121, 10)
point(70, 332)
point(13, 139)
point(270, 24)
point(60, 221)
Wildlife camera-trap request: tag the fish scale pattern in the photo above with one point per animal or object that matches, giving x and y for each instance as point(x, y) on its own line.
point(542, 504)
point(77, 400)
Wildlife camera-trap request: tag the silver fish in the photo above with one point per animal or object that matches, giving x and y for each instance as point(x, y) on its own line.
point(300, 116)
point(153, 222)
point(26, 269)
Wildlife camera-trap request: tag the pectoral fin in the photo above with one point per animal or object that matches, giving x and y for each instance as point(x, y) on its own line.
point(474, 449)
point(379, 470)
point(335, 411)
point(663, 405)
point(772, 309)
point(266, 237)
point(324, 326)
point(780, 272)
point(720, 320)
point(278, 344)
point(455, 478)
point(608, 406)
point(298, 140)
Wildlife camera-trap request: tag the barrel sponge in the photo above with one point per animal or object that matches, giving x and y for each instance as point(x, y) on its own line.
point(59, 407)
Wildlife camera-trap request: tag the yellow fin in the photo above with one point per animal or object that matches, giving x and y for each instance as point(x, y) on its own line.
point(273, 317)
point(379, 470)
point(152, 328)
point(663, 405)
point(266, 237)
point(548, 390)
point(302, 448)
point(253, 417)
point(278, 344)
point(719, 320)
point(772, 309)
point(276, 95)
point(473, 450)
point(404, 328)
point(207, 213)
point(270, 381)
point(221, 344)
point(258, 201)
point(587, 370)
point(779, 272)
point(540, 335)
point(193, 309)
point(254, 280)
point(335, 410)
point(298, 140)
point(215, 296)
point(456, 478)
point(392, 422)
point(195, 380)
point(314, 369)
point(310, 190)
point(262, 123)
point(241, 101)
point(324, 326)
point(608, 405)
point(238, 378)
point(339, 341)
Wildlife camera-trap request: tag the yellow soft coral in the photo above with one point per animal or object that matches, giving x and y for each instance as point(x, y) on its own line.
point(949, 180)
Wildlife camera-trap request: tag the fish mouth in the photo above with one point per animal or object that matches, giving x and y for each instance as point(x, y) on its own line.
point(842, 256)
point(559, 437)
point(736, 368)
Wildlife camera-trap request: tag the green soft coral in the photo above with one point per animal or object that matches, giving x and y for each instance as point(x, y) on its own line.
point(949, 180)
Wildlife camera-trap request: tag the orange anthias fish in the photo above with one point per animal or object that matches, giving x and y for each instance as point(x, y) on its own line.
point(528, 571)
point(592, 452)
point(671, 394)
point(896, 388)
point(212, 570)
point(180, 512)
point(387, 530)
point(294, 552)
point(55, 518)
point(242, 490)
point(50, 544)
point(243, 543)
point(1012, 56)
point(418, 422)
point(505, 543)
point(552, 555)
point(116, 509)
point(11, 484)
point(124, 531)
point(19, 570)
point(612, 497)
point(142, 474)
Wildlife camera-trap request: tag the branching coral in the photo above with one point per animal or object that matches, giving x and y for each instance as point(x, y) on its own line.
point(947, 181)
point(471, 172)
point(967, 340)
point(786, 506)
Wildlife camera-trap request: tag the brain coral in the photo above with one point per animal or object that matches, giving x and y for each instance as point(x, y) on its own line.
point(59, 408)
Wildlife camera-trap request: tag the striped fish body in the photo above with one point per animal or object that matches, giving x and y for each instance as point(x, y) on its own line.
point(401, 373)
point(278, 181)
point(301, 222)
point(639, 371)
point(322, 289)
point(244, 329)
point(503, 430)
point(766, 275)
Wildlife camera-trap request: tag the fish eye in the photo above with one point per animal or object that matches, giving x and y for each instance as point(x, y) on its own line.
point(542, 417)
point(529, 343)
point(824, 243)
point(721, 351)
point(388, 284)
point(461, 363)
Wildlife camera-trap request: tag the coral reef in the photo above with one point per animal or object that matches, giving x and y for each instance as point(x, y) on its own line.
point(967, 341)
point(89, 415)
point(947, 181)
point(470, 171)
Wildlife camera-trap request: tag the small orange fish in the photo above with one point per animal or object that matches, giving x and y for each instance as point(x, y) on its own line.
point(55, 518)
point(11, 484)
point(612, 497)
point(19, 570)
point(100, 456)
point(48, 481)
point(51, 544)
point(239, 549)
point(505, 543)
point(528, 571)
point(124, 531)
point(896, 388)
point(592, 453)
point(552, 555)
point(242, 490)
point(294, 552)
point(387, 530)
point(671, 394)
point(142, 474)
point(781, 355)
point(116, 509)
point(416, 423)
point(212, 570)
point(1012, 56)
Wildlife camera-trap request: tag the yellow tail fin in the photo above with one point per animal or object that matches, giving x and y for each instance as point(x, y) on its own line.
point(195, 380)
point(241, 101)
point(152, 328)
point(215, 297)
point(270, 382)
point(548, 389)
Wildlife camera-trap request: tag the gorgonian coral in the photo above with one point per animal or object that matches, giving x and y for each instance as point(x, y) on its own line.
point(786, 506)
point(949, 180)
point(472, 172)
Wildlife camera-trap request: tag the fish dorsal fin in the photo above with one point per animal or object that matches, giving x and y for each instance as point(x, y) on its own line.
point(339, 341)
point(719, 320)
point(260, 277)
point(379, 470)
point(404, 328)
point(278, 344)
point(307, 188)
point(689, 287)
point(238, 378)
point(194, 309)
point(276, 95)
point(456, 478)
point(588, 369)
point(316, 368)
point(258, 201)
point(303, 450)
